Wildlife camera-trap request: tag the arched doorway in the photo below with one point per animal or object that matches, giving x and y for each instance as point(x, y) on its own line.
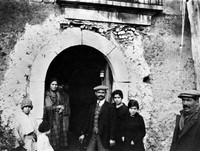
point(65, 41)
point(78, 68)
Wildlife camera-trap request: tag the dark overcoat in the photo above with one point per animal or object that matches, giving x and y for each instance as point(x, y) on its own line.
point(188, 139)
point(106, 123)
point(121, 115)
point(135, 131)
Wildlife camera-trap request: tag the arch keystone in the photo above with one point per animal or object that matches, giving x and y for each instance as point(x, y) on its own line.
point(97, 41)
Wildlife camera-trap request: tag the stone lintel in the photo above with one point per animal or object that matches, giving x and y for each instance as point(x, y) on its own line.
point(129, 4)
point(49, 1)
point(37, 1)
point(107, 16)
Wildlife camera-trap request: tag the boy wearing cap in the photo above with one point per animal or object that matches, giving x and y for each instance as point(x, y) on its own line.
point(100, 125)
point(26, 127)
point(187, 129)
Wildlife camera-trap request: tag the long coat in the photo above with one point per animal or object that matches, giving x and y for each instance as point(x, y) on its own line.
point(106, 123)
point(121, 115)
point(59, 122)
point(135, 131)
point(188, 139)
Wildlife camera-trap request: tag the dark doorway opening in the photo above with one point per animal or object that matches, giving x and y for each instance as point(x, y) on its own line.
point(79, 68)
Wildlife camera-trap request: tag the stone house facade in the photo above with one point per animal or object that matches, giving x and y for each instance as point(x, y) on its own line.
point(138, 46)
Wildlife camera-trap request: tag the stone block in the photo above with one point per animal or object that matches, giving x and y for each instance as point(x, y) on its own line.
point(68, 38)
point(38, 1)
point(97, 41)
point(49, 1)
point(108, 16)
point(41, 64)
point(36, 87)
point(120, 72)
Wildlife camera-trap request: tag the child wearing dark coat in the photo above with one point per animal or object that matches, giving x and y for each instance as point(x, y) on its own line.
point(135, 128)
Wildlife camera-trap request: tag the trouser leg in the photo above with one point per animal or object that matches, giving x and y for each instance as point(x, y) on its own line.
point(92, 143)
point(99, 144)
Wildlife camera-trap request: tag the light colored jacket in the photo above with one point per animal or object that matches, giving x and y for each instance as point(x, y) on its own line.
point(24, 125)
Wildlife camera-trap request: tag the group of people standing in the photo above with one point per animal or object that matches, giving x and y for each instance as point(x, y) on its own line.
point(108, 126)
point(130, 126)
point(51, 134)
point(115, 126)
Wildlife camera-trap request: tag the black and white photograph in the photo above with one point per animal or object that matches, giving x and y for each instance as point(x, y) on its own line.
point(99, 75)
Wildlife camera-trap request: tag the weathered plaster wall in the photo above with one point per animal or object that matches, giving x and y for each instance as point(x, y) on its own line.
point(172, 70)
point(15, 66)
point(157, 68)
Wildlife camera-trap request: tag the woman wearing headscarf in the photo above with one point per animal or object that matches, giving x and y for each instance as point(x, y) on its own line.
point(57, 112)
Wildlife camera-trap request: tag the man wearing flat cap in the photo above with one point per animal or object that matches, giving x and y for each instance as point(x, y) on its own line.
point(187, 130)
point(100, 124)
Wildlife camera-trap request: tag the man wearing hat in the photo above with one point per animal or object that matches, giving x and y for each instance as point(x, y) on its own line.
point(187, 130)
point(26, 127)
point(100, 124)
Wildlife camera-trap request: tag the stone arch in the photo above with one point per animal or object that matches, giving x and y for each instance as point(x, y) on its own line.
point(68, 38)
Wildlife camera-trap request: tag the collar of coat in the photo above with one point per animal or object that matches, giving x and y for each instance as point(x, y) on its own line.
point(189, 124)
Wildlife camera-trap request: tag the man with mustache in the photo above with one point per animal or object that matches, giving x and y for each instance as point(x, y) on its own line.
point(187, 130)
point(100, 124)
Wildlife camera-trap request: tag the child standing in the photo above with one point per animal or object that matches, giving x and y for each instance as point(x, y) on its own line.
point(135, 128)
point(26, 127)
point(43, 143)
point(121, 115)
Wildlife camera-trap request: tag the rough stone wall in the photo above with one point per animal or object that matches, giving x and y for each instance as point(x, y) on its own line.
point(172, 70)
point(157, 68)
point(15, 65)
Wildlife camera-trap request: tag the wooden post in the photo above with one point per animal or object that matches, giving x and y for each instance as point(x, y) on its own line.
point(194, 18)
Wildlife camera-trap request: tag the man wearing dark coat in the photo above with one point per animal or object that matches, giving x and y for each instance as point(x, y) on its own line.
point(187, 130)
point(100, 124)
